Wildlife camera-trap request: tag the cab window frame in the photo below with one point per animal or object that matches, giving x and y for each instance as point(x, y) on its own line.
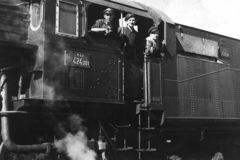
point(58, 30)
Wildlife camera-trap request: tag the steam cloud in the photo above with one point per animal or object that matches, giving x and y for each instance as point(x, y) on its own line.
point(49, 91)
point(75, 145)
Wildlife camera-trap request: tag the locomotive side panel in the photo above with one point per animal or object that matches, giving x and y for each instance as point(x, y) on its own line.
point(205, 83)
point(68, 67)
point(237, 53)
point(75, 68)
point(189, 90)
point(83, 74)
point(227, 106)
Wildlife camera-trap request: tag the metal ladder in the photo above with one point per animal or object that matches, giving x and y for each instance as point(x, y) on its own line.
point(121, 136)
point(144, 130)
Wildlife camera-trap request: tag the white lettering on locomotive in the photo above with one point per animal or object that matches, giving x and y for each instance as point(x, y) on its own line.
point(80, 61)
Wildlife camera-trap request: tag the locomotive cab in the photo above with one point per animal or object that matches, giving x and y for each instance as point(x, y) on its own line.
point(72, 70)
point(89, 66)
point(134, 84)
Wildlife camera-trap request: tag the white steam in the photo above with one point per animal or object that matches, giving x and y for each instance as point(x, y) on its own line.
point(49, 91)
point(75, 141)
point(76, 147)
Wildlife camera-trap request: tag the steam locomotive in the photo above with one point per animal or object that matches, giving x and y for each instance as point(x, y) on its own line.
point(66, 94)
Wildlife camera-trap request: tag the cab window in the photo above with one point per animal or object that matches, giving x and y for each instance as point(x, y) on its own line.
point(95, 12)
point(67, 19)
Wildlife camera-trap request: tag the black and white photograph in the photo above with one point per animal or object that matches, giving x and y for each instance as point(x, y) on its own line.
point(120, 80)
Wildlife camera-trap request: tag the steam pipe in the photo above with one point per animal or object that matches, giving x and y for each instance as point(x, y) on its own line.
point(11, 146)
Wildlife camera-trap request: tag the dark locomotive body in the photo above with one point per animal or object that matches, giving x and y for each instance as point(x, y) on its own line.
point(61, 78)
point(201, 91)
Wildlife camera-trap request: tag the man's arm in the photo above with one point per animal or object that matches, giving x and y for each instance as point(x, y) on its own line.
point(97, 27)
point(148, 47)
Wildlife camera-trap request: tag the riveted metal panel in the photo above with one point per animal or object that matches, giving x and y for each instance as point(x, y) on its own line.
point(201, 92)
point(217, 103)
point(237, 83)
point(192, 99)
point(228, 109)
point(98, 80)
point(204, 88)
point(184, 90)
point(195, 68)
point(226, 82)
point(177, 107)
point(182, 67)
point(177, 99)
point(201, 82)
point(237, 52)
point(205, 108)
point(227, 94)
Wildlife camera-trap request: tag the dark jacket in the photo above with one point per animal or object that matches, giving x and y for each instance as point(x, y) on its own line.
point(129, 42)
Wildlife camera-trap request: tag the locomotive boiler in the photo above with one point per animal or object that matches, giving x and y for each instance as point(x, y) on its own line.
point(66, 94)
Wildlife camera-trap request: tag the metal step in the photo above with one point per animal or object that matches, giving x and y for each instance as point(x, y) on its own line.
point(125, 149)
point(147, 150)
point(146, 128)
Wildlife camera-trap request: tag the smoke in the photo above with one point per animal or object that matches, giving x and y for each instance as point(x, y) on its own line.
point(49, 91)
point(75, 142)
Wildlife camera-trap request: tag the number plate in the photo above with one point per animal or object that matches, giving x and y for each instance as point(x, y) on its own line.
point(224, 52)
point(77, 59)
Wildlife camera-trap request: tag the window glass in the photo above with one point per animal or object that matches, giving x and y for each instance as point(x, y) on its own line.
point(67, 19)
point(35, 14)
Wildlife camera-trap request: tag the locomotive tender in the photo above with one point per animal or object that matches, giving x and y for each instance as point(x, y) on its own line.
point(58, 78)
